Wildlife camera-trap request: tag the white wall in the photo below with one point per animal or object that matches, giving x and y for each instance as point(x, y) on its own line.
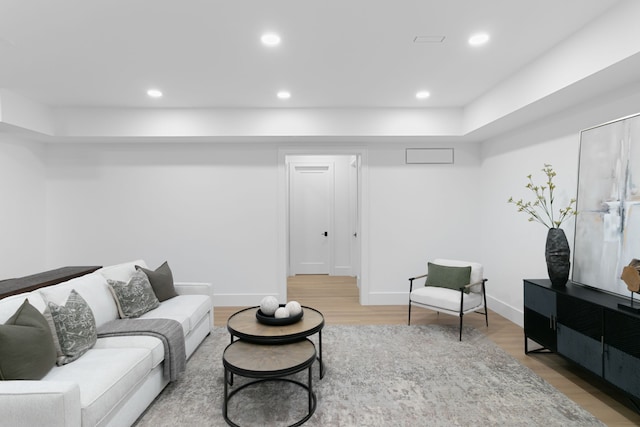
point(418, 213)
point(512, 247)
point(22, 207)
point(210, 210)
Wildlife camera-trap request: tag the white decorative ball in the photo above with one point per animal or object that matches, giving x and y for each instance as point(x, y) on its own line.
point(282, 313)
point(294, 308)
point(269, 305)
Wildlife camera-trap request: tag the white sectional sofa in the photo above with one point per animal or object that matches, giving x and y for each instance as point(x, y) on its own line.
point(114, 381)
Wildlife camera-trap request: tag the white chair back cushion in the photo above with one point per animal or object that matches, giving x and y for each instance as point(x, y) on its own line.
point(477, 273)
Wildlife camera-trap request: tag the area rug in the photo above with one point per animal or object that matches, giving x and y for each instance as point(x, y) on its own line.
point(389, 375)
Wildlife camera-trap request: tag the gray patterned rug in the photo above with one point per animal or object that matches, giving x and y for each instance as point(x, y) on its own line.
point(377, 376)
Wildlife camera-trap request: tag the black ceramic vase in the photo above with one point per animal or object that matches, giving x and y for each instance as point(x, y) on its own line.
point(557, 256)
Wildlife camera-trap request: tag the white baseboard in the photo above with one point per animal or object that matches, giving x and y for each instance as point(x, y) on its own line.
point(241, 300)
point(505, 310)
point(342, 270)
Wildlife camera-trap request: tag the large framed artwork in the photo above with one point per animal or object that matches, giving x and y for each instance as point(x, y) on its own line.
point(607, 235)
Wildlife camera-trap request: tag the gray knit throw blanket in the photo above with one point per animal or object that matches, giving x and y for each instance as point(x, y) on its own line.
point(167, 330)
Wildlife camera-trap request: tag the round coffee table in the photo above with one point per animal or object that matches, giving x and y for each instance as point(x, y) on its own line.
point(245, 326)
point(268, 362)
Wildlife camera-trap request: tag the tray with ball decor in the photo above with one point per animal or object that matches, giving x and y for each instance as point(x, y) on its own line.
point(284, 314)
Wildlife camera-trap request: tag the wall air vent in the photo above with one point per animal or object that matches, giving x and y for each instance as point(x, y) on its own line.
point(429, 156)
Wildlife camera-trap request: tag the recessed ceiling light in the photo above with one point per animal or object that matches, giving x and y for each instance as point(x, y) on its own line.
point(283, 94)
point(478, 39)
point(154, 93)
point(423, 94)
point(270, 39)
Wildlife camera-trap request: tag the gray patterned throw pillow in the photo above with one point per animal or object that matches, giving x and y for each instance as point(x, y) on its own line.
point(135, 297)
point(75, 327)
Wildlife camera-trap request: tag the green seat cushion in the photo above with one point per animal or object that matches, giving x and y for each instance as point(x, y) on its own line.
point(27, 351)
point(444, 276)
point(161, 281)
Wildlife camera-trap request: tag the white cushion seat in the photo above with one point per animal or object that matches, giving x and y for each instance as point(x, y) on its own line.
point(153, 344)
point(120, 369)
point(445, 299)
point(186, 309)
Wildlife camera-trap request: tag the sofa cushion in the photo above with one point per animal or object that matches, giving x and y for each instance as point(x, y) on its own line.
point(94, 290)
point(448, 277)
point(186, 309)
point(161, 280)
point(134, 297)
point(445, 298)
point(121, 272)
point(75, 327)
point(153, 344)
point(105, 377)
point(27, 351)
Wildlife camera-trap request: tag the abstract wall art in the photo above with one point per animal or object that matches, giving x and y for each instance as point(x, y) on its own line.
point(607, 235)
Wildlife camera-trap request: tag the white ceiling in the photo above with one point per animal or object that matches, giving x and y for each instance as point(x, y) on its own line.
point(334, 53)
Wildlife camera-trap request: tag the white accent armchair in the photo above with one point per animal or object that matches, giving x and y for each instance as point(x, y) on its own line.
point(452, 287)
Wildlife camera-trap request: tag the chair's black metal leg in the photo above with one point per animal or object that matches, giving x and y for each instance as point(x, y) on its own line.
point(486, 309)
point(410, 290)
point(461, 314)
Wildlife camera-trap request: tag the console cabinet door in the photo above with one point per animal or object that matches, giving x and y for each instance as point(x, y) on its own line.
point(622, 351)
point(539, 315)
point(579, 332)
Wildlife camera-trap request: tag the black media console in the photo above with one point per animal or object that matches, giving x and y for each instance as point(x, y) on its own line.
point(587, 327)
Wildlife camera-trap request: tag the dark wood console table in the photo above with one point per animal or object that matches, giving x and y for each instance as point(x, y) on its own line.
point(586, 326)
point(35, 281)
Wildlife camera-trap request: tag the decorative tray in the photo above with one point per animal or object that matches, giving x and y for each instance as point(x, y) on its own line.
point(282, 321)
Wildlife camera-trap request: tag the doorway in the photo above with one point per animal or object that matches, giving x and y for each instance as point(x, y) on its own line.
point(323, 215)
point(347, 224)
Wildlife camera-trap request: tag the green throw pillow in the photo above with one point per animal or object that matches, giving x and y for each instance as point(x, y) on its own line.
point(26, 345)
point(135, 297)
point(444, 276)
point(75, 327)
point(161, 281)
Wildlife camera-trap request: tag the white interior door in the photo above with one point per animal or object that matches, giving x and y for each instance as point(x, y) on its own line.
point(311, 205)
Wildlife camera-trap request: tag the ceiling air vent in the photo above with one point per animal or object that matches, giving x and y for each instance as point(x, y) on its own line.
point(428, 39)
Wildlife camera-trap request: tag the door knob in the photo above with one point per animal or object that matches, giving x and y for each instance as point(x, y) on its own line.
point(325, 234)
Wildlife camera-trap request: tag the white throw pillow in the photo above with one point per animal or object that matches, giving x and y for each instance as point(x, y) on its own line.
point(121, 272)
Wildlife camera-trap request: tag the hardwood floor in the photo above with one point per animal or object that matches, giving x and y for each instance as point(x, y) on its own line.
point(337, 298)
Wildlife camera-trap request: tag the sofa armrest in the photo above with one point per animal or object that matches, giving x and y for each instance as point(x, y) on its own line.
point(197, 288)
point(194, 288)
point(40, 403)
